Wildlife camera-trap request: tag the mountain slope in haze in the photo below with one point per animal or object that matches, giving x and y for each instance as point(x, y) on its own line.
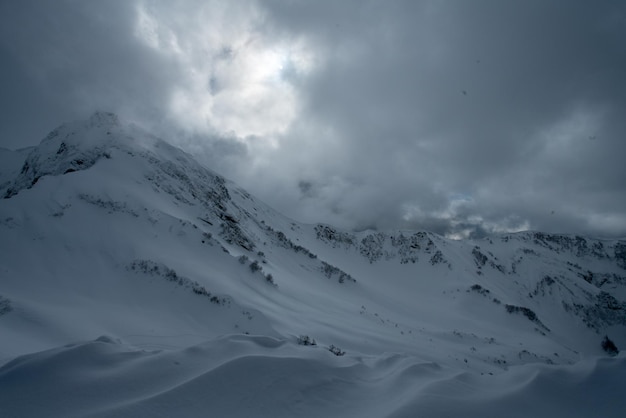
point(176, 290)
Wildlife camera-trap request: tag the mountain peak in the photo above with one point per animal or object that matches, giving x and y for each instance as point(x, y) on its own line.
point(130, 237)
point(71, 147)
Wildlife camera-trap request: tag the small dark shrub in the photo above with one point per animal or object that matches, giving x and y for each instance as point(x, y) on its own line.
point(254, 266)
point(528, 313)
point(306, 340)
point(479, 289)
point(609, 346)
point(336, 350)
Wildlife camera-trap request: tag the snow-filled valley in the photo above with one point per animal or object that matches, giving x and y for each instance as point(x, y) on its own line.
point(136, 282)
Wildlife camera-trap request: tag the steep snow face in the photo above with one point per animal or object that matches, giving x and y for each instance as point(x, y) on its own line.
point(108, 230)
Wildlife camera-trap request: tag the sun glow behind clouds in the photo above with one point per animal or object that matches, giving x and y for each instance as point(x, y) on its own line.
point(234, 80)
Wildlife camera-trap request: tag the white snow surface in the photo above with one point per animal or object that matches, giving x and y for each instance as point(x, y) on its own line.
point(136, 282)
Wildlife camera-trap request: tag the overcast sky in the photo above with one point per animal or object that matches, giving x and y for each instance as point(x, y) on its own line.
point(459, 117)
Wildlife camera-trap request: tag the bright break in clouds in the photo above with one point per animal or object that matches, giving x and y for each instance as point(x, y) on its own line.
point(463, 118)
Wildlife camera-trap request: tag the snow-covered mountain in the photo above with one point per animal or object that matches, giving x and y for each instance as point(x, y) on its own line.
point(136, 282)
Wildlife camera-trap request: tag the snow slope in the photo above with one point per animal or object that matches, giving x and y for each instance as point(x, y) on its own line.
point(181, 294)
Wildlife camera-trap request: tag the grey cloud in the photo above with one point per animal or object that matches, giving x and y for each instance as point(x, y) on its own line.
point(449, 97)
point(77, 57)
point(307, 189)
point(464, 118)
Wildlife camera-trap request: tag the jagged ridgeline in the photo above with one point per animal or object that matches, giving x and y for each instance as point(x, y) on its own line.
point(107, 229)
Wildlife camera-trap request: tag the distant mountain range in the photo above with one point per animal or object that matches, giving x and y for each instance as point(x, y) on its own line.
point(181, 294)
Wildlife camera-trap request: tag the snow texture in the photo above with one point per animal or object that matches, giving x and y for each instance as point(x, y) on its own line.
point(136, 282)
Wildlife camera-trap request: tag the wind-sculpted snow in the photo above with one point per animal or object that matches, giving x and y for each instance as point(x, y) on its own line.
point(216, 305)
point(243, 376)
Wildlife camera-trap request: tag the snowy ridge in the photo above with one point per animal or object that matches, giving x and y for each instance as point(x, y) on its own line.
point(108, 230)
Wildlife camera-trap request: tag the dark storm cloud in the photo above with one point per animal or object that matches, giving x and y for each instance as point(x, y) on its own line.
point(460, 117)
point(502, 102)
